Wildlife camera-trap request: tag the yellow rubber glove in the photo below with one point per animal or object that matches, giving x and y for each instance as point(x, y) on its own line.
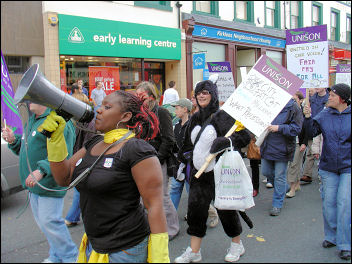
point(158, 248)
point(94, 256)
point(240, 126)
point(56, 145)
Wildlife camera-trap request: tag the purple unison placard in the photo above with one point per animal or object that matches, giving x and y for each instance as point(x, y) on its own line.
point(278, 74)
point(306, 35)
point(224, 66)
point(343, 68)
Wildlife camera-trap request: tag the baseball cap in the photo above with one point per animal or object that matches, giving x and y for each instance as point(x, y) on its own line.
point(342, 90)
point(183, 102)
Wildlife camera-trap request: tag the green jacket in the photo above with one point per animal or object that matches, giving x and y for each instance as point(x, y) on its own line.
point(38, 155)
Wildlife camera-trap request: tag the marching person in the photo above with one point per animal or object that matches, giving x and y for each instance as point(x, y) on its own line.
point(46, 205)
point(334, 123)
point(215, 125)
point(117, 229)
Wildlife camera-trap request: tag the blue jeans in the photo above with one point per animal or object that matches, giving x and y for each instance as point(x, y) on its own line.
point(176, 189)
point(47, 212)
point(136, 254)
point(276, 171)
point(73, 214)
point(335, 192)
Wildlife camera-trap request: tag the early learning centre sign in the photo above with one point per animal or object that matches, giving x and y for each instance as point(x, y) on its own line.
point(98, 37)
point(308, 55)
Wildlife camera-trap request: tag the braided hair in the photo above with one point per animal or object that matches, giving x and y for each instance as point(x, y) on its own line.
point(144, 122)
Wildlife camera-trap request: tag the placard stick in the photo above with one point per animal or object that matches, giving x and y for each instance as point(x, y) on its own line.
point(212, 156)
point(5, 122)
point(306, 100)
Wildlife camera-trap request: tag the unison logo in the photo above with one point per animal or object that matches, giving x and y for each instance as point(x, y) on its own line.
point(75, 36)
point(218, 68)
point(297, 36)
point(276, 75)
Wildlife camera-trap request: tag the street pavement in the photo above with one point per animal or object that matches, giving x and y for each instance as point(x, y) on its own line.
point(295, 236)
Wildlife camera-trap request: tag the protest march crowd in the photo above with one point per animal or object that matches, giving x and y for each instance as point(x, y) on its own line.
point(120, 168)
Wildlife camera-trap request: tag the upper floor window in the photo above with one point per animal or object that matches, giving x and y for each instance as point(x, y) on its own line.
point(272, 14)
point(17, 64)
point(296, 14)
point(206, 8)
point(317, 11)
point(335, 25)
point(162, 5)
point(348, 29)
point(244, 11)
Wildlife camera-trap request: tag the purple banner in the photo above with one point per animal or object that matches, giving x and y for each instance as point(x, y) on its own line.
point(278, 74)
point(224, 66)
point(306, 35)
point(343, 68)
point(9, 110)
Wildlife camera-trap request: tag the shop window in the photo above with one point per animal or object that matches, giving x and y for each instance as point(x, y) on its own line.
point(272, 14)
point(17, 64)
point(275, 56)
point(335, 25)
point(162, 5)
point(348, 29)
point(296, 14)
point(317, 14)
point(244, 11)
point(209, 8)
point(127, 70)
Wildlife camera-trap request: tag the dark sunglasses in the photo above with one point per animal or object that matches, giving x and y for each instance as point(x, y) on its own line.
point(204, 92)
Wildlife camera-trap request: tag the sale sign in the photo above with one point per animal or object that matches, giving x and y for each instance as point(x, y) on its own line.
point(308, 55)
point(108, 75)
point(261, 96)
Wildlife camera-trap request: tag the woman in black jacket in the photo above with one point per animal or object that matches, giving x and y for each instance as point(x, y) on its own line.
point(202, 190)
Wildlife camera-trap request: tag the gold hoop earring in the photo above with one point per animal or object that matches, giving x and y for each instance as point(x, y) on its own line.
point(117, 126)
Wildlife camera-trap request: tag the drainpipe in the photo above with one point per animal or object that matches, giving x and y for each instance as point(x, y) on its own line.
point(178, 5)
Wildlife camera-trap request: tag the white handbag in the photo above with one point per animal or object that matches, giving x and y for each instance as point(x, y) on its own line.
point(233, 185)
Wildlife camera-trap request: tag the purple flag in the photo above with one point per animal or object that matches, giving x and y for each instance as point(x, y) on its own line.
point(9, 109)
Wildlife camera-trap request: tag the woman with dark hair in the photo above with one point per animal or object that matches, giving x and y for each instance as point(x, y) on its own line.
point(214, 124)
point(114, 220)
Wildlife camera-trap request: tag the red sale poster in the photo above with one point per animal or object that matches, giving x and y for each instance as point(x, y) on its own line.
point(109, 75)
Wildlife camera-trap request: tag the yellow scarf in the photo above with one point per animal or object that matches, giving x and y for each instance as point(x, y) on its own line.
point(116, 134)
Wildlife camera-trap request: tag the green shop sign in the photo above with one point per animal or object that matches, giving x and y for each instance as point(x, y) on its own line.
point(98, 37)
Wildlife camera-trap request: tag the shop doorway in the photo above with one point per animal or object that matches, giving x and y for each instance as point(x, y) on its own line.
point(245, 57)
point(154, 72)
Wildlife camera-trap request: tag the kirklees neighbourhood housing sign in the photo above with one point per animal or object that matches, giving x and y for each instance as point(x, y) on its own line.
point(231, 35)
point(262, 94)
point(225, 83)
point(343, 74)
point(308, 55)
point(98, 37)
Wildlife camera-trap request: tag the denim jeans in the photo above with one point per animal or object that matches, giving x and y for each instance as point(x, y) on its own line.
point(276, 171)
point(73, 214)
point(136, 254)
point(176, 189)
point(335, 192)
point(47, 212)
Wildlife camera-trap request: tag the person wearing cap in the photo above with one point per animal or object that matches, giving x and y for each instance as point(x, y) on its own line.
point(183, 108)
point(334, 123)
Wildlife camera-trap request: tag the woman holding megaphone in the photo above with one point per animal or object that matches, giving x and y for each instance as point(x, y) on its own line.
point(113, 172)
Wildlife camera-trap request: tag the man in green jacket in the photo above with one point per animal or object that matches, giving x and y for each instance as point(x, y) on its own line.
point(46, 205)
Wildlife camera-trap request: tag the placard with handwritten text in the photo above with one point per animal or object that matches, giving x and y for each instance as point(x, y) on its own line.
point(262, 94)
point(308, 55)
point(343, 74)
point(225, 82)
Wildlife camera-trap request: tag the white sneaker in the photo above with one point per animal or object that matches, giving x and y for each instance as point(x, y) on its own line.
point(47, 260)
point(269, 185)
point(234, 252)
point(188, 256)
point(265, 180)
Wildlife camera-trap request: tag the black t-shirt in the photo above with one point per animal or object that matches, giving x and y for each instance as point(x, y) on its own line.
point(112, 214)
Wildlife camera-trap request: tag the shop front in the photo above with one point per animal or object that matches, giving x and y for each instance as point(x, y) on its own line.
point(337, 56)
point(240, 48)
point(119, 54)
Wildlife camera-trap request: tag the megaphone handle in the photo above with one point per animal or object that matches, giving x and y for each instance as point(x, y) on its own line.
point(61, 113)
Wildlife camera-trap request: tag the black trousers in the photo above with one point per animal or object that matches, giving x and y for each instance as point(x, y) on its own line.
point(255, 173)
point(201, 192)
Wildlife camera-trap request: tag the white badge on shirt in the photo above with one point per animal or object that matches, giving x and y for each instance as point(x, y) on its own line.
point(34, 132)
point(108, 162)
point(78, 162)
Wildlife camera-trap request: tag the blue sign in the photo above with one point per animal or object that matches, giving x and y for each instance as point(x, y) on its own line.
point(198, 61)
point(217, 33)
point(205, 74)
